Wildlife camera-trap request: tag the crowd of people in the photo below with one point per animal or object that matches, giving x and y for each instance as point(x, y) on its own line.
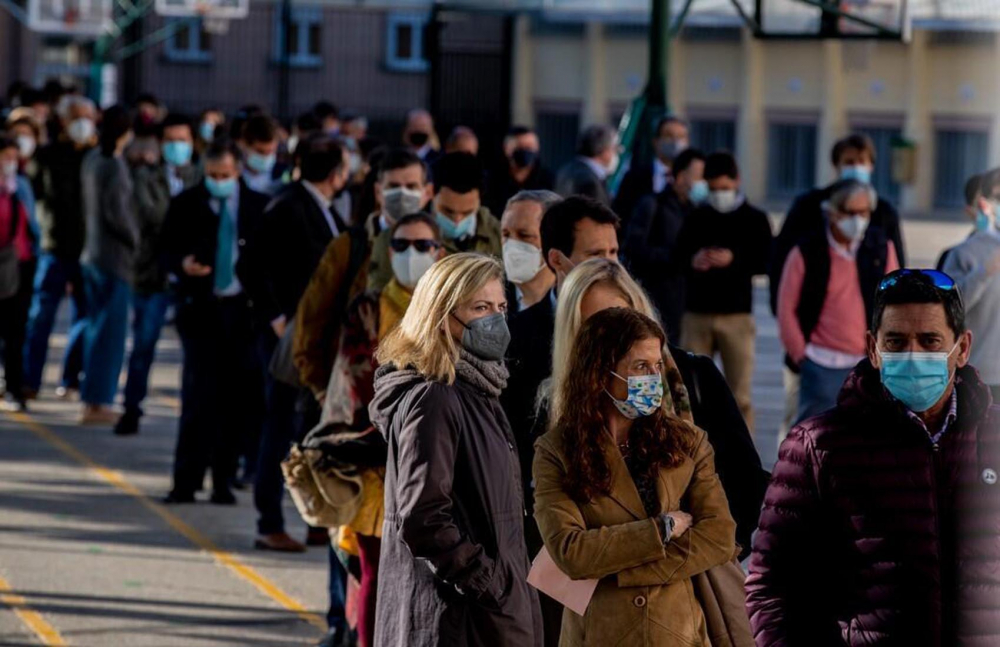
point(476, 364)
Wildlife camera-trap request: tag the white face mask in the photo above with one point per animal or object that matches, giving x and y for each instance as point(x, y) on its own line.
point(853, 227)
point(613, 164)
point(400, 201)
point(81, 130)
point(725, 201)
point(521, 261)
point(410, 265)
point(26, 145)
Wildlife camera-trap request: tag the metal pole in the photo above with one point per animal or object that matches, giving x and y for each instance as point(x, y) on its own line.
point(659, 54)
point(284, 72)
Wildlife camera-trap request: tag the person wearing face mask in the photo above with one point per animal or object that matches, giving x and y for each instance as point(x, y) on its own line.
point(18, 257)
point(651, 237)
point(155, 187)
point(972, 192)
point(853, 158)
point(453, 564)
point(466, 225)
point(894, 491)
point(975, 266)
point(827, 295)
point(204, 234)
point(419, 135)
point(107, 264)
point(369, 319)
point(529, 278)
point(62, 237)
point(209, 121)
point(723, 245)
point(671, 138)
point(27, 133)
point(261, 171)
point(597, 158)
point(280, 260)
point(627, 494)
point(520, 170)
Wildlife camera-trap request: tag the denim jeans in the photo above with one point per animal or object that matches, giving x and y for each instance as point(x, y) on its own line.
point(51, 279)
point(337, 586)
point(820, 388)
point(148, 314)
point(104, 340)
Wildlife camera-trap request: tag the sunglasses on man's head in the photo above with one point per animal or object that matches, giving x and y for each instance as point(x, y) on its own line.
point(940, 280)
point(423, 245)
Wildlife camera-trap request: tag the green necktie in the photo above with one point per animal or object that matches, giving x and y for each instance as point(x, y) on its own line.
point(224, 250)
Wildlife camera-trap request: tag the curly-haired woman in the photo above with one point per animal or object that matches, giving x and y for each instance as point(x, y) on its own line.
point(611, 478)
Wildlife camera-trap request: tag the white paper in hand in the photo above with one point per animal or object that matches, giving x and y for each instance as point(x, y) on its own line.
point(545, 576)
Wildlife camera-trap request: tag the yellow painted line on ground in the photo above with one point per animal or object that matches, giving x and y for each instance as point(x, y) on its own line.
point(224, 558)
point(33, 620)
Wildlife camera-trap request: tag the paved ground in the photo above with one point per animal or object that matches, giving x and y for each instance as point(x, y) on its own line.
point(88, 557)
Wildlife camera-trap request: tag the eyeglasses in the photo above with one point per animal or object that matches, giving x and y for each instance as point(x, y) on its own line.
point(423, 245)
point(940, 280)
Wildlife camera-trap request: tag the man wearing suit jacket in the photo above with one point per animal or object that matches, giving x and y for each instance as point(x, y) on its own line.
point(588, 172)
point(296, 229)
point(204, 235)
point(670, 140)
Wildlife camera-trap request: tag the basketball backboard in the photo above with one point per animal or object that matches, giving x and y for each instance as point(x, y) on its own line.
point(70, 17)
point(211, 9)
point(845, 19)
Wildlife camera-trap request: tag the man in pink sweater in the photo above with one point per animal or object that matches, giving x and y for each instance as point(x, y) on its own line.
point(827, 292)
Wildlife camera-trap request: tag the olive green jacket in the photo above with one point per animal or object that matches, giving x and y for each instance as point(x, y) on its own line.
point(645, 597)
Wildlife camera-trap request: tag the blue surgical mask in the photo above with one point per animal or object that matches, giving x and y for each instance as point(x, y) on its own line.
point(983, 222)
point(221, 189)
point(261, 163)
point(858, 172)
point(206, 130)
point(645, 395)
point(699, 192)
point(177, 153)
point(456, 230)
point(918, 380)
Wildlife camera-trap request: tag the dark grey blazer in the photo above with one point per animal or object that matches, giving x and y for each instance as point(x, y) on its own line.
point(112, 240)
point(576, 178)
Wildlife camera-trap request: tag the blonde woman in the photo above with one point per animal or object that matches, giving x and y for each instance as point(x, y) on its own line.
point(453, 562)
point(695, 389)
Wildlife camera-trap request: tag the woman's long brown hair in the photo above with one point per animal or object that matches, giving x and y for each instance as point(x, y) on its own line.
point(655, 441)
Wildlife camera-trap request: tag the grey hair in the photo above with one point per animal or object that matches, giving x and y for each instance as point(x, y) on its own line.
point(543, 198)
point(596, 139)
point(847, 189)
point(69, 101)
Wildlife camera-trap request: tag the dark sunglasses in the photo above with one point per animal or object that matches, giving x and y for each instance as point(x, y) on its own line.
point(424, 245)
point(940, 280)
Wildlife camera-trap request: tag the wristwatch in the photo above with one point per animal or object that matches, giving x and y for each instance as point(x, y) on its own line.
point(666, 525)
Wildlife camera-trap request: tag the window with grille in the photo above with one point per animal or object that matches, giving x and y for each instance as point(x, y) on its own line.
point(189, 43)
point(791, 159)
point(958, 154)
point(304, 34)
point(710, 135)
point(404, 51)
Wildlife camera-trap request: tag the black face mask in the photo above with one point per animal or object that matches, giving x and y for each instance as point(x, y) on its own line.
point(419, 139)
point(524, 157)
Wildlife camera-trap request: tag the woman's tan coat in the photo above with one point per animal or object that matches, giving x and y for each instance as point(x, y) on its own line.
point(645, 596)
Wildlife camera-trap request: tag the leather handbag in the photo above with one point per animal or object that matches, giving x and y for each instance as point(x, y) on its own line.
point(722, 595)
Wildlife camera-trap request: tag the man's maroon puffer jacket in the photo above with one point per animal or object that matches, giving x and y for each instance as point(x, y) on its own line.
point(871, 535)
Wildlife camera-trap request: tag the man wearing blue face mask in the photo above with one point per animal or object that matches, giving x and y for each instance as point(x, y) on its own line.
point(652, 232)
point(155, 187)
point(975, 265)
point(466, 225)
point(894, 492)
point(261, 171)
point(204, 236)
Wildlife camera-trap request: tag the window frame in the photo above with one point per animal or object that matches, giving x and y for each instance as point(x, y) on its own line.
point(418, 23)
point(953, 201)
point(303, 17)
point(193, 53)
point(774, 192)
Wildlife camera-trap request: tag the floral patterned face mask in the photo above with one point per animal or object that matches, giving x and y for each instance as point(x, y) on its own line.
point(645, 395)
